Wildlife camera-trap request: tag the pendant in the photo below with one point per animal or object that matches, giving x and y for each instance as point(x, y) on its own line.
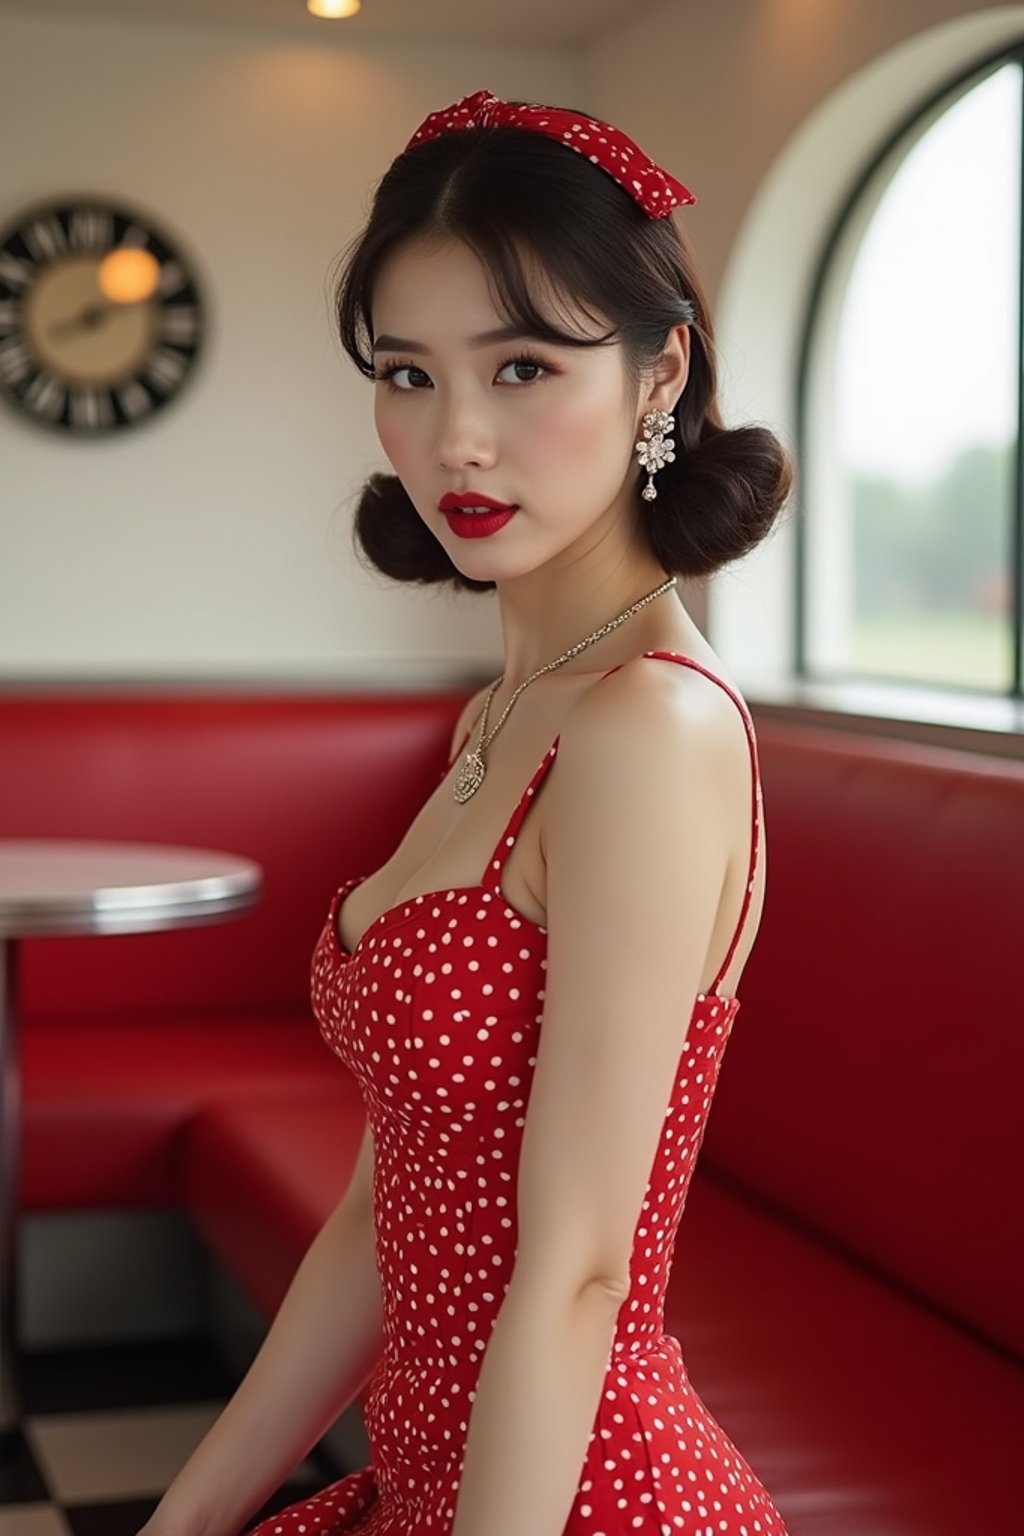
point(470, 776)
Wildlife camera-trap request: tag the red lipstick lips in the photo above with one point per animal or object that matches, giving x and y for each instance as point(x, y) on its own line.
point(470, 524)
point(454, 502)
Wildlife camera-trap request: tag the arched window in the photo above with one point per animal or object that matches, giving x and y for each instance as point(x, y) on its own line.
point(909, 544)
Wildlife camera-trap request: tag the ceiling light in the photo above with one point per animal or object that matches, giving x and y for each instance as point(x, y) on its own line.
point(332, 10)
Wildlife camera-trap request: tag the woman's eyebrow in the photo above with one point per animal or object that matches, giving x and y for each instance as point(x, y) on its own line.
point(485, 339)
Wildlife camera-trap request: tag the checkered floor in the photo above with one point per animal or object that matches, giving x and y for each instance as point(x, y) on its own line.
point(105, 1430)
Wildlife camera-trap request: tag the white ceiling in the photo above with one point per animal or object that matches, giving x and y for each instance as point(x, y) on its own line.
point(526, 23)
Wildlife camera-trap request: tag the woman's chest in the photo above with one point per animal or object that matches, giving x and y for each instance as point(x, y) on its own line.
point(438, 1011)
point(452, 847)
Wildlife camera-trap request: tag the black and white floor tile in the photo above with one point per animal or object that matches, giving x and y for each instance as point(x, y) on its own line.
point(105, 1431)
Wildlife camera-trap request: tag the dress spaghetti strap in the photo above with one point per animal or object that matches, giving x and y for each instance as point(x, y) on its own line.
point(506, 842)
point(755, 791)
point(492, 873)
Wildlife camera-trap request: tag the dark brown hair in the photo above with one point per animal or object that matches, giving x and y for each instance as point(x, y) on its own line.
point(509, 194)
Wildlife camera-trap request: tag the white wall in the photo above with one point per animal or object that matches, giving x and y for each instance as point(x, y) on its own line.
point(215, 540)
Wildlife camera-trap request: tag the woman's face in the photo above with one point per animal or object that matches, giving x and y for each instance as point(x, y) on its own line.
point(553, 435)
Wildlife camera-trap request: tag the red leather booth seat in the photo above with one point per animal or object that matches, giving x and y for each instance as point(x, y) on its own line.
point(847, 1278)
point(868, 1110)
point(128, 1037)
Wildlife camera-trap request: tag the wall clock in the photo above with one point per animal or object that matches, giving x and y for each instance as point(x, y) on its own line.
point(100, 316)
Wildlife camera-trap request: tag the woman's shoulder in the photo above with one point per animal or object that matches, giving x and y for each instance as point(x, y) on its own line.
point(672, 685)
point(656, 757)
point(650, 712)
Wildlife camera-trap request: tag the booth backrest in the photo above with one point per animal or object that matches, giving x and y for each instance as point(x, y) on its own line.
point(874, 1078)
point(314, 788)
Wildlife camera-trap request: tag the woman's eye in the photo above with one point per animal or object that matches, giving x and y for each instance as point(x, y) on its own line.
point(388, 374)
point(524, 362)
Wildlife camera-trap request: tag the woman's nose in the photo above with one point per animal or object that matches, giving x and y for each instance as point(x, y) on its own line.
point(463, 437)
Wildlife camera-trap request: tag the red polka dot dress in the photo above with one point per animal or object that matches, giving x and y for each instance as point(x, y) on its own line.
point(437, 1013)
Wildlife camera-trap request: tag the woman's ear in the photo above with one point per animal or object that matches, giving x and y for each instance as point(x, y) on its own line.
point(671, 372)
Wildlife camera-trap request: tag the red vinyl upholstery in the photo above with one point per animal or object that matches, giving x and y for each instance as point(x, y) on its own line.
point(280, 1167)
point(108, 1099)
point(883, 1003)
point(127, 1037)
point(846, 1284)
point(862, 1410)
point(312, 787)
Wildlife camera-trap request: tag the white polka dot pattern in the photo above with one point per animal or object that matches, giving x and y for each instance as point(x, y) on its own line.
point(437, 1013)
point(606, 146)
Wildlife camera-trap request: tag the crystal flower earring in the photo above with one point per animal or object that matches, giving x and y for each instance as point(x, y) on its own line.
point(656, 449)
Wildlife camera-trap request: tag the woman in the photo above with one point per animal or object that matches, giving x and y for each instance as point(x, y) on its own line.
point(537, 1046)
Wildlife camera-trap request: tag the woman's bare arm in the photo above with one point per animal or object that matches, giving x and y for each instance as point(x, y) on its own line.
point(321, 1349)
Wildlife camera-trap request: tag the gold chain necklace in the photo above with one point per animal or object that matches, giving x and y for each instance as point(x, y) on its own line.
point(471, 774)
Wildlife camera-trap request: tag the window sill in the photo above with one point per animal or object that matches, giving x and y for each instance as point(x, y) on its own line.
point(944, 716)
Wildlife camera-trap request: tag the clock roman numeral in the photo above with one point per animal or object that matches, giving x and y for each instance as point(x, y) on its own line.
point(134, 400)
point(164, 369)
point(137, 237)
point(15, 272)
point(179, 323)
point(91, 229)
point(45, 238)
point(91, 408)
point(46, 395)
point(172, 277)
point(15, 361)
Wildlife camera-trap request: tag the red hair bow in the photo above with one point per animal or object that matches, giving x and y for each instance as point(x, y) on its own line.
point(654, 189)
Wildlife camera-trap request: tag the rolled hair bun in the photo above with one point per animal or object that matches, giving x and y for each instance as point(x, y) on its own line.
point(516, 198)
point(719, 499)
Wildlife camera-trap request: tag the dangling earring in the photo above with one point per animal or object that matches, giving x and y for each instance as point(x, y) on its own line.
point(656, 449)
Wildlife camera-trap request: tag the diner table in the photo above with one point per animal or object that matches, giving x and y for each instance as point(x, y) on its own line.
point(63, 886)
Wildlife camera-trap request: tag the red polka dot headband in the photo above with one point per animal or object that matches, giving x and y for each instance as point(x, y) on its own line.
point(654, 189)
